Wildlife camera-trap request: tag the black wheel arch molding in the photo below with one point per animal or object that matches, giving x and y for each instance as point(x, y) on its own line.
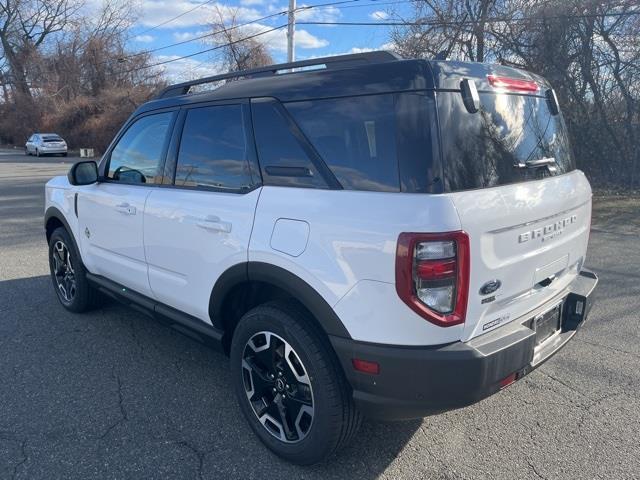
point(56, 213)
point(266, 273)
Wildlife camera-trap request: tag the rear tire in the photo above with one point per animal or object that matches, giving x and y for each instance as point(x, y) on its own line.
point(68, 274)
point(309, 415)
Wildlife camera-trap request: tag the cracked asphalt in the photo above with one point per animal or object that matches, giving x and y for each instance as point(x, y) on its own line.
point(113, 394)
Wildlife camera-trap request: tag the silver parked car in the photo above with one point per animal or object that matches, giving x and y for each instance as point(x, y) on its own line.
point(45, 144)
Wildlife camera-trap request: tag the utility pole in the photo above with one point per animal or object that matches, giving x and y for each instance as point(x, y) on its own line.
point(291, 31)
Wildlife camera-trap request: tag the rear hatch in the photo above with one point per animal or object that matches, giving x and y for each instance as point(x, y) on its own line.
point(511, 176)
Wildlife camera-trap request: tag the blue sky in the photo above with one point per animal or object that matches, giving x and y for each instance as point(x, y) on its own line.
point(311, 40)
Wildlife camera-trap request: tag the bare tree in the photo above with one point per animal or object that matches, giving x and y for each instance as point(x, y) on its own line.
point(238, 52)
point(24, 26)
point(448, 27)
point(588, 49)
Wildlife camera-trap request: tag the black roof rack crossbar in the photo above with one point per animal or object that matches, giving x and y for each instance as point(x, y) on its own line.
point(339, 61)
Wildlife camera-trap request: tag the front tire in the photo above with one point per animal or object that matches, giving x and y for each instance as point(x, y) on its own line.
point(289, 384)
point(68, 274)
point(37, 152)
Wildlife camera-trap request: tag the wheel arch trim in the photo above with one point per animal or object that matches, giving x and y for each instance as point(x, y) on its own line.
point(284, 280)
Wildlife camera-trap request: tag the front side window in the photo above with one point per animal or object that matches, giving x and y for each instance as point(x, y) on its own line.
point(137, 157)
point(213, 150)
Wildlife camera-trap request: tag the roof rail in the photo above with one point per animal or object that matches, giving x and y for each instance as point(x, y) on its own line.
point(338, 61)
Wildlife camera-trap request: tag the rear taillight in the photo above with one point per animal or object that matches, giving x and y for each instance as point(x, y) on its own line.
point(432, 275)
point(513, 84)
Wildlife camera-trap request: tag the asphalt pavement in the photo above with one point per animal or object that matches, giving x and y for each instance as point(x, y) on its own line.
point(113, 394)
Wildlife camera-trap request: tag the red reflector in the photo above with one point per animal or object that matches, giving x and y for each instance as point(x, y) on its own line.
point(514, 84)
point(436, 269)
point(365, 366)
point(505, 382)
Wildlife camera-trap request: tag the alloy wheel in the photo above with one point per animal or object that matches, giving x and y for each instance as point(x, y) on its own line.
point(63, 271)
point(278, 387)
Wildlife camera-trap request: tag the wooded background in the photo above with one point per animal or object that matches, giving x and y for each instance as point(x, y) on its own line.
point(64, 71)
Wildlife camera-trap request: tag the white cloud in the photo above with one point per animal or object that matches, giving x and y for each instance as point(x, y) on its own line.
point(184, 69)
point(184, 36)
point(379, 15)
point(144, 38)
point(324, 14)
point(154, 12)
point(252, 2)
point(277, 39)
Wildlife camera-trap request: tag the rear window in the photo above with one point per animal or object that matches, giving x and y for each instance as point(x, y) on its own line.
point(484, 149)
point(51, 138)
point(373, 142)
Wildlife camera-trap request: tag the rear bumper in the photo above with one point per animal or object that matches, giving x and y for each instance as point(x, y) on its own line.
point(418, 381)
point(46, 150)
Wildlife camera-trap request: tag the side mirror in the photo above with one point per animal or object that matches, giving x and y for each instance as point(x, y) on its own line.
point(83, 173)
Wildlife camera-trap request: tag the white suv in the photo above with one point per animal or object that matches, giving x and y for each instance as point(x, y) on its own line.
point(386, 237)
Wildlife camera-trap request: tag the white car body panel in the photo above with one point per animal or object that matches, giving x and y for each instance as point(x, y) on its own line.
point(352, 237)
point(495, 218)
point(346, 250)
point(110, 230)
point(191, 238)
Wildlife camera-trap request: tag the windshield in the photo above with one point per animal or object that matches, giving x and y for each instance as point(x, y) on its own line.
point(491, 147)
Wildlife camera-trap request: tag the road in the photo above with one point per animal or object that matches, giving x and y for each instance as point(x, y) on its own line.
point(113, 394)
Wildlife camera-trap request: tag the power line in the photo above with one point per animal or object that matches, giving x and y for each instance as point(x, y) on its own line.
point(234, 27)
point(175, 18)
point(217, 47)
point(469, 22)
point(201, 37)
point(379, 23)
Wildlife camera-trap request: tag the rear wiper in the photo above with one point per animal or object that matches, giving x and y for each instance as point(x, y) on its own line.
point(548, 162)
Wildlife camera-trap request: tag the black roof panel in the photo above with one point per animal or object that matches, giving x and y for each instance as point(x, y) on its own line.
point(380, 73)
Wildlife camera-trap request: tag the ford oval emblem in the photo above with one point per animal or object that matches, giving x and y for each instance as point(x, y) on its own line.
point(490, 287)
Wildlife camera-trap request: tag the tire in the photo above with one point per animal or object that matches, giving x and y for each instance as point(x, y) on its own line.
point(64, 154)
point(81, 296)
point(37, 152)
point(331, 420)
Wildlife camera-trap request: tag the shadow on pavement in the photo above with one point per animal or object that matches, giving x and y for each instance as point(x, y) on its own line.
point(114, 393)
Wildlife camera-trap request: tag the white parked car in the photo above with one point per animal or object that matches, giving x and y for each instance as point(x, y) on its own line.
point(40, 144)
point(387, 237)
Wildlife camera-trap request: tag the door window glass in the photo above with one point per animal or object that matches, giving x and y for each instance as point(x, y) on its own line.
point(213, 150)
point(138, 155)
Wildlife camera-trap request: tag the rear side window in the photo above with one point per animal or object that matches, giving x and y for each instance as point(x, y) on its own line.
point(484, 149)
point(213, 150)
point(355, 137)
point(283, 158)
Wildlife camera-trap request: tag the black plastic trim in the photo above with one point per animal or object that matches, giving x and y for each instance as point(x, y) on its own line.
point(53, 212)
point(283, 279)
point(180, 321)
point(418, 381)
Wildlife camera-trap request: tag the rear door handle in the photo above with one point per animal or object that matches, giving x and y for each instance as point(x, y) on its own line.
point(214, 224)
point(126, 209)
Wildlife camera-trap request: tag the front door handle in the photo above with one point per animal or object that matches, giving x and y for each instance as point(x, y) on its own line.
point(126, 209)
point(214, 224)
